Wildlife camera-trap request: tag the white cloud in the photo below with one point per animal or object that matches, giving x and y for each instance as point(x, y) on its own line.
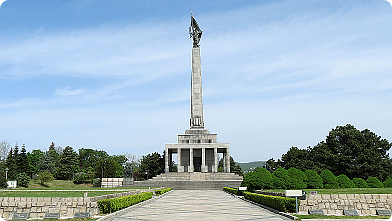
point(66, 91)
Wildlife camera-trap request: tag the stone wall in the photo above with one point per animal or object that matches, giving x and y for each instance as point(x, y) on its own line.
point(66, 206)
point(334, 204)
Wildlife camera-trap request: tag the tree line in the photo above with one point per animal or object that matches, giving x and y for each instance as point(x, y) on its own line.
point(346, 151)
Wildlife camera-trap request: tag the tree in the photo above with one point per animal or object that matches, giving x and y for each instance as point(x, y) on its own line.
point(35, 158)
point(11, 163)
point(373, 182)
point(23, 179)
point(4, 150)
point(280, 178)
point(297, 158)
point(354, 153)
point(360, 183)
point(314, 180)
point(108, 168)
point(345, 182)
point(297, 179)
point(271, 165)
point(68, 164)
point(22, 160)
point(329, 180)
point(45, 177)
point(387, 183)
point(152, 164)
point(89, 157)
point(258, 179)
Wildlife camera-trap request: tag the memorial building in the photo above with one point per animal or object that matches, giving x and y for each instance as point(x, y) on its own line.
point(197, 149)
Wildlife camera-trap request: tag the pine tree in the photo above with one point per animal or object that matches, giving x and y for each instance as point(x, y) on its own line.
point(68, 164)
point(23, 161)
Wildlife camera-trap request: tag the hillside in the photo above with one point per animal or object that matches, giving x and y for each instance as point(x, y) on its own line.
point(254, 164)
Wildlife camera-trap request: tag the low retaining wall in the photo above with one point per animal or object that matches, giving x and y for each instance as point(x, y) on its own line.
point(334, 204)
point(66, 206)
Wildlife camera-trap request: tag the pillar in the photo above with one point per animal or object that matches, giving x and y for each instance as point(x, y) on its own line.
point(191, 167)
point(180, 169)
point(203, 161)
point(215, 170)
point(227, 160)
point(167, 156)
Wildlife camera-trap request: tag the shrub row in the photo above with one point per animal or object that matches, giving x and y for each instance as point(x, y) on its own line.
point(297, 179)
point(231, 190)
point(283, 204)
point(162, 191)
point(115, 204)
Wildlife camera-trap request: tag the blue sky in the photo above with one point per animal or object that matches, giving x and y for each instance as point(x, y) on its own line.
point(115, 75)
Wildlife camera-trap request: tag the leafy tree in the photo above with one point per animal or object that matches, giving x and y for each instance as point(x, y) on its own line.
point(68, 164)
point(23, 179)
point(297, 158)
point(153, 164)
point(345, 182)
point(45, 177)
point(258, 179)
point(89, 157)
point(373, 182)
point(109, 168)
point(354, 153)
point(360, 183)
point(271, 165)
point(280, 178)
point(329, 180)
point(297, 179)
point(314, 180)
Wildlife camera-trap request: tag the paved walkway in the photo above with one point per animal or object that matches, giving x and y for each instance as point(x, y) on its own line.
point(197, 205)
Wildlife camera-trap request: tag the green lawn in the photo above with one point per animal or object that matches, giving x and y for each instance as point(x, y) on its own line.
point(304, 217)
point(344, 191)
point(12, 193)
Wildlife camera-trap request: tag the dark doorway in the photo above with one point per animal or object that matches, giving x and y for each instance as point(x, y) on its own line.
point(197, 164)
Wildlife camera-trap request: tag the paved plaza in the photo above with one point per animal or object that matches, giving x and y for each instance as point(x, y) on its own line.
point(197, 205)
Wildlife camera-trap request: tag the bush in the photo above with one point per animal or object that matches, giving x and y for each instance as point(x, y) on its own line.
point(297, 179)
point(329, 180)
point(360, 183)
point(280, 178)
point(45, 177)
point(162, 191)
point(97, 182)
point(115, 204)
point(23, 180)
point(283, 204)
point(345, 182)
point(258, 179)
point(231, 190)
point(373, 182)
point(81, 177)
point(387, 183)
point(314, 180)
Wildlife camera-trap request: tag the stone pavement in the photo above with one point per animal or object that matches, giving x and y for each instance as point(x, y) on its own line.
point(197, 205)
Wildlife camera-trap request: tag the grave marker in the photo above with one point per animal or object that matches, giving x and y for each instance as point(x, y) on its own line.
point(81, 215)
point(350, 212)
point(316, 212)
point(21, 216)
point(52, 215)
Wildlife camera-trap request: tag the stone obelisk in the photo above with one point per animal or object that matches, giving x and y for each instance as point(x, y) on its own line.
point(197, 120)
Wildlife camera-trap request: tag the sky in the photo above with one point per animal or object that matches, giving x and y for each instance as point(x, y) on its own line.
point(114, 75)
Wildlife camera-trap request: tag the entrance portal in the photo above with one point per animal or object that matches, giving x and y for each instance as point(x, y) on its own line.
point(197, 164)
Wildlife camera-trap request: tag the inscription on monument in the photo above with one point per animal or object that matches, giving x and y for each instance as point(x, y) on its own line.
point(81, 215)
point(316, 212)
point(52, 215)
point(350, 212)
point(21, 216)
point(382, 212)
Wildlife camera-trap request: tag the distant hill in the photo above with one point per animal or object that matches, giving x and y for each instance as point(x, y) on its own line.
point(254, 164)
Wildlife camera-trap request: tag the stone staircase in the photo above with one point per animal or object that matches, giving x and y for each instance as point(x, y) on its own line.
point(192, 181)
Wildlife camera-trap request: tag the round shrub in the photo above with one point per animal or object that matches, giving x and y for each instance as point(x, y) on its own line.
point(81, 177)
point(373, 182)
point(258, 179)
point(360, 183)
point(345, 182)
point(97, 182)
point(298, 179)
point(387, 183)
point(280, 178)
point(23, 180)
point(314, 180)
point(329, 180)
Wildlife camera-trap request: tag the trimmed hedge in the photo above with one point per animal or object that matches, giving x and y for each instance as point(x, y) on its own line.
point(115, 204)
point(162, 191)
point(231, 190)
point(283, 204)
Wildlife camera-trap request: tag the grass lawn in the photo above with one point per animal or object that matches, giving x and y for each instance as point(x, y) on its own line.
point(304, 217)
point(12, 193)
point(344, 191)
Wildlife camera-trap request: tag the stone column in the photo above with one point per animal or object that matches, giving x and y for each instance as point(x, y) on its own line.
point(167, 160)
point(215, 160)
point(180, 169)
point(227, 160)
point(197, 120)
point(203, 160)
point(191, 169)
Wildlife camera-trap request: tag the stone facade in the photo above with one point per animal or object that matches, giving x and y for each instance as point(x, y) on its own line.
point(334, 204)
point(66, 206)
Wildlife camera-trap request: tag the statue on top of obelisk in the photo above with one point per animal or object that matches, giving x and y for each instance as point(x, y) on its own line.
point(196, 121)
